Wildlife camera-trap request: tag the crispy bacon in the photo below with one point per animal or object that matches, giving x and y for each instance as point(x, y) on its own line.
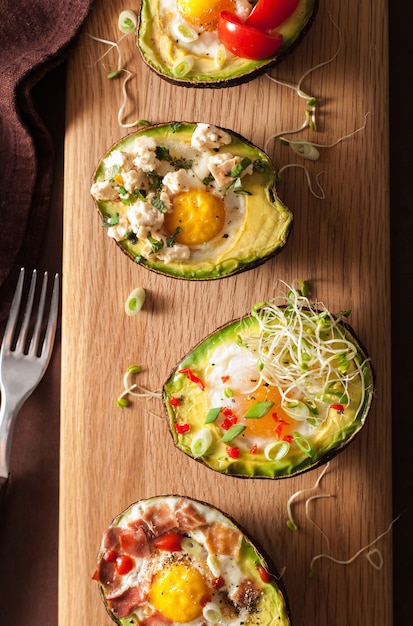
point(246, 594)
point(187, 515)
point(160, 519)
point(136, 540)
point(107, 575)
point(123, 605)
point(111, 538)
point(222, 539)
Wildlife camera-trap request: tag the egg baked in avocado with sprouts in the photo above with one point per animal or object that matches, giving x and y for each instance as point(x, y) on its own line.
point(172, 560)
point(191, 200)
point(218, 43)
point(273, 394)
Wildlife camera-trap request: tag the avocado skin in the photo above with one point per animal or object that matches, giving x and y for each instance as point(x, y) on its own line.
point(220, 272)
point(236, 469)
point(239, 80)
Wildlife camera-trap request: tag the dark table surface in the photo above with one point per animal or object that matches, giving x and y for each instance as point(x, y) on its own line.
point(29, 522)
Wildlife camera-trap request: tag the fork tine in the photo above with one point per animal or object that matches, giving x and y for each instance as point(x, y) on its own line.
point(34, 343)
point(27, 314)
point(14, 312)
point(52, 321)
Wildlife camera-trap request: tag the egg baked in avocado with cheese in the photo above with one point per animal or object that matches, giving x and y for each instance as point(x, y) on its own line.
point(191, 200)
point(172, 560)
point(218, 43)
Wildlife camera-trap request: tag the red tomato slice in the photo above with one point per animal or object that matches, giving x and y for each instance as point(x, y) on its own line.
point(268, 14)
point(245, 41)
point(170, 542)
point(124, 564)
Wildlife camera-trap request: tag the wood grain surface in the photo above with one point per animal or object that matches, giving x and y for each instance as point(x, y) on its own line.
point(111, 457)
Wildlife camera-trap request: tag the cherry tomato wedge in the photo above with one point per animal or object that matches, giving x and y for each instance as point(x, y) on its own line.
point(268, 14)
point(264, 574)
point(245, 41)
point(124, 564)
point(172, 542)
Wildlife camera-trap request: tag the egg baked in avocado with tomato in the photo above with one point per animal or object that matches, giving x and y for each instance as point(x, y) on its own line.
point(219, 43)
point(192, 201)
point(172, 560)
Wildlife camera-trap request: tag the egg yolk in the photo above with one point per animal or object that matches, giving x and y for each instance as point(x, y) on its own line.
point(275, 421)
point(200, 214)
point(179, 592)
point(204, 14)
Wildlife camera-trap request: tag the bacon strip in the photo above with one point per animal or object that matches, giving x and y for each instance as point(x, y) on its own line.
point(222, 539)
point(188, 516)
point(160, 519)
point(123, 605)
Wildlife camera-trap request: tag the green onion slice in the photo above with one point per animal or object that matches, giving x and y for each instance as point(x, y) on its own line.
point(191, 546)
point(212, 415)
point(184, 33)
point(127, 21)
point(233, 433)
point(183, 66)
point(304, 444)
point(135, 301)
point(201, 442)
point(276, 450)
point(258, 410)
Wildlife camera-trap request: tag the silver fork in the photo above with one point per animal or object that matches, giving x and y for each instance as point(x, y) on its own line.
point(23, 364)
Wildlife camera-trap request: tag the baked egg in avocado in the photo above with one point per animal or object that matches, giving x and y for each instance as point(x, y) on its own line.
point(273, 394)
point(218, 43)
point(193, 201)
point(173, 560)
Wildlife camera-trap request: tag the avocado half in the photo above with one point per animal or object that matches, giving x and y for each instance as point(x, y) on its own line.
point(224, 414)
point(158, 200)
point(163, 52)
point(175, 560)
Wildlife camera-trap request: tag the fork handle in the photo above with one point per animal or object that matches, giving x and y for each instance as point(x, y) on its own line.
point(4, 483)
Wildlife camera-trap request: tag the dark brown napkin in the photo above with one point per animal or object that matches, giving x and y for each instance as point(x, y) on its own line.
point(35, 36)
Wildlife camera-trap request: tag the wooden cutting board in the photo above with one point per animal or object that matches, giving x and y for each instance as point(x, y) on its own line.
point(111, 457)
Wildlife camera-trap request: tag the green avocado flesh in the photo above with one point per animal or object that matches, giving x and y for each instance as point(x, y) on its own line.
point(175, 560)
point(205, 60)
point(191, 201)
point(247, 402)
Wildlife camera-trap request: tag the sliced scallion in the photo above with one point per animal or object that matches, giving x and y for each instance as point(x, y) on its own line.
point(127, 21)
point(276, 450)
point(259, 410)
point(212, 414)
point(201, 442)
point(233, 432)
point(183, 66)
point(135, 301)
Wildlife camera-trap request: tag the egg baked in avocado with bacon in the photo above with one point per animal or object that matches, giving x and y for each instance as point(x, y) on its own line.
point(219, 43)
point(172, 560)
point(192, 201)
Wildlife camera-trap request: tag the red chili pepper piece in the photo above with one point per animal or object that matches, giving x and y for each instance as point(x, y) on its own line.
point(227, 412)
point(264, 574)
point(218, 582)
point(191, 376)
point(182, 428)
point(225, 379)
point(288, 438)
point(254, 449)
point(172, 542)
point(337, 407)
point(226, 424)
point(124, 564)
point(175, 401)
point(233, 453)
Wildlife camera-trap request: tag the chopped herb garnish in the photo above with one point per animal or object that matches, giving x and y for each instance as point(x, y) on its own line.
point(170, 241)
point(156, 244)
point(158, 204)
point(259, 165)
point(162, 153)
point(240, 167)
point(110, 220)
point(184, 164)
point(114, 171)
point(132, 237)
point(208, 179)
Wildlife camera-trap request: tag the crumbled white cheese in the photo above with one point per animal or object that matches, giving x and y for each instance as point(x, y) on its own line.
point(120, 230)
point(134, 179)
point(206, 136)
point(144, 217)
point(103, 190)
point(220, 166)
point(242, 8)
point(119, 158)
point(177, 252)
point(144, 151)
point(181, 180)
